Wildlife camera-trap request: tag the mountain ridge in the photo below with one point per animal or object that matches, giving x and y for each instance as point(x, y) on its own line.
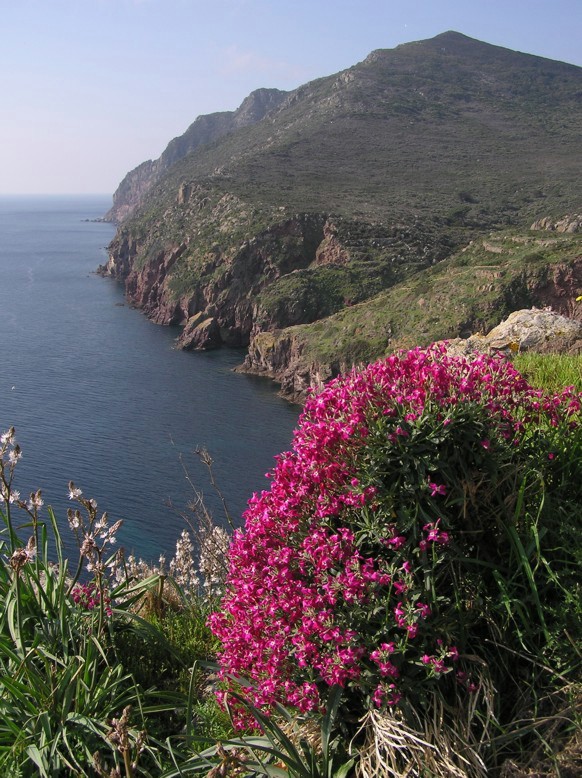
point(203, 130)
point(349, 185)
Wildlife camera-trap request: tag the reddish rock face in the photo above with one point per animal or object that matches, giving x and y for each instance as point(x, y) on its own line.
point(201, 334)
point(224, 301)
point(561, 289)
point(145, 287)
point(330, 250)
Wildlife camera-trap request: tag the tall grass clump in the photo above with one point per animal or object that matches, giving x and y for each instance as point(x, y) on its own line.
point(419, 547)
point(59, 693)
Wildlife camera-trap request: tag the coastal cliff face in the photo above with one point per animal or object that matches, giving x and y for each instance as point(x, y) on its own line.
point(243, 270)
point(212, 285)
point(283, 357)
point(469, 292)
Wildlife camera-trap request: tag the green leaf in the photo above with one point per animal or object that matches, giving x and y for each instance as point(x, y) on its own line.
point(37, 758)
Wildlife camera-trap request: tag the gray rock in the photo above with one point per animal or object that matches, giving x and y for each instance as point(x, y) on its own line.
point(569, 223)
point(525, 330)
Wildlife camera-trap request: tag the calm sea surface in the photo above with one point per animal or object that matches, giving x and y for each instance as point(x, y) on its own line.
point(98, 395)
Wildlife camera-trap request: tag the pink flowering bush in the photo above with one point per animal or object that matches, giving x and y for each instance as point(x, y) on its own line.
point(394, 550)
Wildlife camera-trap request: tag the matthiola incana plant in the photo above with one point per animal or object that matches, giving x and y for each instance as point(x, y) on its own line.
point(397, 549)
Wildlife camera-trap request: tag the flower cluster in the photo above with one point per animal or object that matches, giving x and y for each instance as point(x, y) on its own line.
point(340, 574)
point(89, 596)
point(93, 533)
point(182, 566)
point(197, 567)
point(10, 454)
point(23, 555)
point(213, 545)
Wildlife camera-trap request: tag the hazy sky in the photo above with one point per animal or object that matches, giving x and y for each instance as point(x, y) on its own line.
point(91, 88)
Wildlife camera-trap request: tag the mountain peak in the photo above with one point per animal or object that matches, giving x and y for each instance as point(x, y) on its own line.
point(452, 36)
point(453, 42)
point(449, 42)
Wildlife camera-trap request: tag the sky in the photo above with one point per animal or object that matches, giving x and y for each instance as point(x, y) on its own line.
point(89, 89)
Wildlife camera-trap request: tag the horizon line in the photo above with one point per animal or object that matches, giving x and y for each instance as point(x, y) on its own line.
point(56, 194)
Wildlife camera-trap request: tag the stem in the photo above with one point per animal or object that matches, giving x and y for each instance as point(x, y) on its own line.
point(99, 581)
point(75, 578)
point(127, 763)
point(20, 641)
point(160, 595)
point(14, 542)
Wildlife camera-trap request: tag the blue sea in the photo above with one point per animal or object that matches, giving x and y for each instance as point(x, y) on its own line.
point(98, 394)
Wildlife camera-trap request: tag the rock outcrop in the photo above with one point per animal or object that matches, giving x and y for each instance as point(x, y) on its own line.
point(539, 331)
point(278, 355)
point(201, 333)
point(569, 223)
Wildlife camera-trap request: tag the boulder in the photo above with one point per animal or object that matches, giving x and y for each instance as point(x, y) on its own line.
point(201, 333)
point(526, 330)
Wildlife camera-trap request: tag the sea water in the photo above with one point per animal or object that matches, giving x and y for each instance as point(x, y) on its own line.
point(98, 394)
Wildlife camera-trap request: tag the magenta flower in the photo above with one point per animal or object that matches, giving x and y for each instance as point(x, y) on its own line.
point(437, 489)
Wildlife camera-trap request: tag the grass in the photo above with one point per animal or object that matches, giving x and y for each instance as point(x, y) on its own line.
point(551, 372)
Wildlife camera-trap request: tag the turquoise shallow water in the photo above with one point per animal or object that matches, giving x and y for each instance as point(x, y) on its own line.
point(98, 395)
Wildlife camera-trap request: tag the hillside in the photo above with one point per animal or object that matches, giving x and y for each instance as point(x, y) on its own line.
point(347, 187)
point(469, 292)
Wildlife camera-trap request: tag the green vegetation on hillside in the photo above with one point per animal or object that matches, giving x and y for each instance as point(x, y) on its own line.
point(407, 157)
point(416, 130)
point(472, 291)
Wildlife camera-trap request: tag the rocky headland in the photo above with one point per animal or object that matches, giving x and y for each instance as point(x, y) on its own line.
point(417, 196)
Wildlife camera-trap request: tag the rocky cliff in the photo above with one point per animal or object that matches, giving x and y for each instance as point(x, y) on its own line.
point(469, 293)
point(252, 269)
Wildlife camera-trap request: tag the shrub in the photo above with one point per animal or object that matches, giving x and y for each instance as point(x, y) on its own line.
point(419, 538)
